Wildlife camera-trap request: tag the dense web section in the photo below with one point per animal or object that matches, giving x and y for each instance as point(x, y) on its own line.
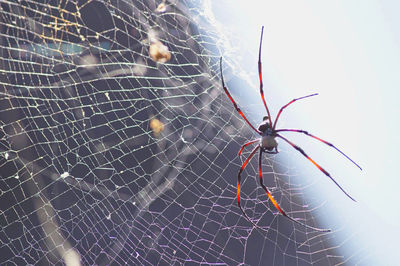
point(109, 155)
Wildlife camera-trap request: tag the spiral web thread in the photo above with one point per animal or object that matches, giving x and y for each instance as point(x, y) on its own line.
point(107, 156)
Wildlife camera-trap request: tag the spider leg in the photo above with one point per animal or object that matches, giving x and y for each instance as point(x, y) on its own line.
point(323, 141)
point(247, 144)
point(272, 152)
point(260, 76)
point(292, 101)
point(238, 186)
point(313, 162)
point(233, 101)
point(272, 199)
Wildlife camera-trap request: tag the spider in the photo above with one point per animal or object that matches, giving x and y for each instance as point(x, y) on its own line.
point(267, 144)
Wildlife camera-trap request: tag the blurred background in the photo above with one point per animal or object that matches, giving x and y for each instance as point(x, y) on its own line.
point(119, 146)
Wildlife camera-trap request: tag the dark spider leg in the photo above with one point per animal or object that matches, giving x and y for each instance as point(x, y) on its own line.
point(247, 144)
point(238, 186)
point(317, 165)
point(233, 101)
point(272, 152)
point(323, 141)
point(292, 101)
point(272, 199)
point(260, 76)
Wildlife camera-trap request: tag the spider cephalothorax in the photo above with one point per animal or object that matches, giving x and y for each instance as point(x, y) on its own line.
point(264, 125)
point(267, 143)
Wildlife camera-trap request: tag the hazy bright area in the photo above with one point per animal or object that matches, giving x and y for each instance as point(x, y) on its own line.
point(348, 52)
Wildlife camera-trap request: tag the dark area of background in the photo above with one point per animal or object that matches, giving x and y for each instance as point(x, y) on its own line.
point(129, 196)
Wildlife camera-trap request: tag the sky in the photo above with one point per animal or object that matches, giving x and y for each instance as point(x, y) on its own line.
point(348, 52)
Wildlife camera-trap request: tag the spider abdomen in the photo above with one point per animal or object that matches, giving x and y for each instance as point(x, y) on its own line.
point(268, 142)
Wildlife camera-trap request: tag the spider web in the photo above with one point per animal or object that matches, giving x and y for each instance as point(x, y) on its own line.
point(110, 157)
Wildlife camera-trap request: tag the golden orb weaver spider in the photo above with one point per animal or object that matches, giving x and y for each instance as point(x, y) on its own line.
point(267, 144)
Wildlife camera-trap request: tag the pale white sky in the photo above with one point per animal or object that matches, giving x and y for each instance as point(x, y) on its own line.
point(348, 52)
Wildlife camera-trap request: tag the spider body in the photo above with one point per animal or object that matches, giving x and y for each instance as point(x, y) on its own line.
point(267, 143)
point(268, 137)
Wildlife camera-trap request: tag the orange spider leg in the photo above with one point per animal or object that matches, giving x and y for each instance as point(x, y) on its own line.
point(247, 144)
point(317, 165)
point(276, 203)
point(260, 76)
point(286, 105)
point(323, 141)
point(233, 101)
point(238, 185)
